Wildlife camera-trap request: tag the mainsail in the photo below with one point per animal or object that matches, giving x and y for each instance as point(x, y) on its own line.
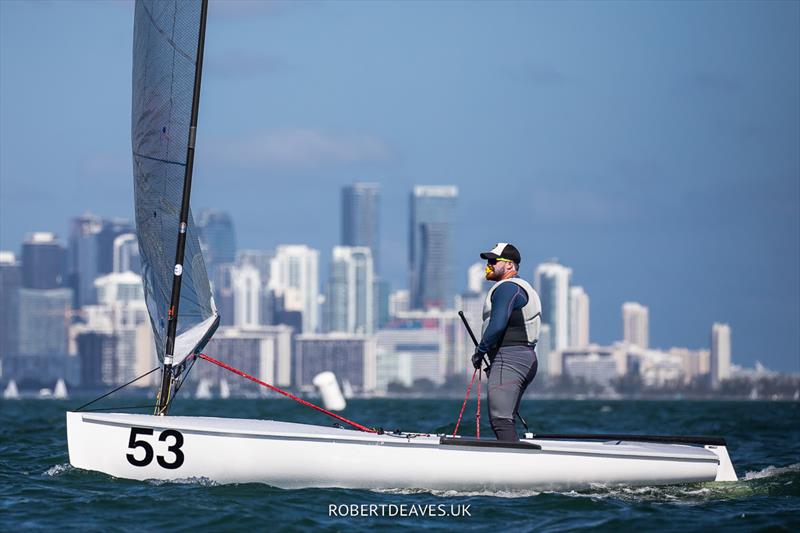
point(165, 50)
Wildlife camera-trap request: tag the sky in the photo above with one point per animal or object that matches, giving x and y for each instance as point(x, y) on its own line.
point(652, 147)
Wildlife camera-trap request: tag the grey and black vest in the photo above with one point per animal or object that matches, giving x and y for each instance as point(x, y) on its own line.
point(523, 324)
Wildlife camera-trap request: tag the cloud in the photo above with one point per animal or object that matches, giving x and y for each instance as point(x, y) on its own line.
point(299, 149)
point(243, 64)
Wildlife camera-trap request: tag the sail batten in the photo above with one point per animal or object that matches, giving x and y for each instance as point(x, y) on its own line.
point(165, 63)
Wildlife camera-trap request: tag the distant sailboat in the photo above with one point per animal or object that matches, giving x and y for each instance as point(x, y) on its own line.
point(224, 389)
point(60, 392)
point(11, 392)
point(203, 391)
point(45, 393)
point(347, 389)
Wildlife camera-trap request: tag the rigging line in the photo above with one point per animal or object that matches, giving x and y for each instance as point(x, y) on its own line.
point(118, 388)
point(478, 412)
point(287, 394)
point(159, 160)
point(174, 393)
point(469, 388)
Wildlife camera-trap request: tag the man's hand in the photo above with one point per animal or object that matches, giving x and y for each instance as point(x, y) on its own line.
point(477, 359)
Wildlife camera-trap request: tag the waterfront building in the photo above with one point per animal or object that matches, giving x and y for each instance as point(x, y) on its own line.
point(635, 324)
point(294, 279)
point(578, 317)
point(431, 242)
point(351, 301)
point(351, 357)
point(720, 354)
point(10, 284)
point(247, 295)
point(43, 261)
point(217, 239)
point(552, 283)
point(361, 218)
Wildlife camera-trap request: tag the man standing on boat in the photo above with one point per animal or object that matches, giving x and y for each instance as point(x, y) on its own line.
point(511, 321)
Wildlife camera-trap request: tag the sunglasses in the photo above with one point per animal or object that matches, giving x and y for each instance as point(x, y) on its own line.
point(499, 259)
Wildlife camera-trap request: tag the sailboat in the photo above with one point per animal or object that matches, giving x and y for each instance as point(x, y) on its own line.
point(224, 389)
point(60, 390)
point(167, 66)
point(203, 391)
point(11, 392)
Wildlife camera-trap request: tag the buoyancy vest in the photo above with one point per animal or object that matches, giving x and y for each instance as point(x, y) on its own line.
point(523, 324)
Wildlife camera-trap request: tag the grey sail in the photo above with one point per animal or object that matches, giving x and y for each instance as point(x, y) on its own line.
point(164, 63)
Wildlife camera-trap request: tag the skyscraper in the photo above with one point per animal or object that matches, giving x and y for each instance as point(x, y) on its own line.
point(431, 243)
point(351, 300)
point(361, 218)
point(106, 237)
point(552, 282)
point(720, 354)
point(294, 278)
point(635, 324)
point(10, 283)
point(246, 284)
point(126, 254)
point(217, 238)
point(42, 261)
point(84, 256)
point(578, 317)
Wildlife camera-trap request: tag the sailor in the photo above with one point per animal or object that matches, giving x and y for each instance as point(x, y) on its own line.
point(511, 320)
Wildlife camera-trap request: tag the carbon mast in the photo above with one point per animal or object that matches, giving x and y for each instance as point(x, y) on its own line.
point(165, 391)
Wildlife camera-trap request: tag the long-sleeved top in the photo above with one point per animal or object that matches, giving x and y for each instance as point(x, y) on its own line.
point(506, 298)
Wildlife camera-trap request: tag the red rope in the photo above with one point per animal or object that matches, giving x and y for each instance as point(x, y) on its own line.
point(474, 373)
point(292, 396)
point(478, 412)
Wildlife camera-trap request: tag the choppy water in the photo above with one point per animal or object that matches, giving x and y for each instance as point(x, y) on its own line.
point(39, 490)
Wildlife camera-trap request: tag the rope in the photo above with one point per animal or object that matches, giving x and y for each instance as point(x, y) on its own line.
point(478, 412)
point(463, 405)
point(118, 388)
point(287, 394)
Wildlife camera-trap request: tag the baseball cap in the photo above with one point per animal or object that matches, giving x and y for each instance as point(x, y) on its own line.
point(503, 250)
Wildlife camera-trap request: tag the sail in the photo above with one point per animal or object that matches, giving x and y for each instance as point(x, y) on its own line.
point(165, 45)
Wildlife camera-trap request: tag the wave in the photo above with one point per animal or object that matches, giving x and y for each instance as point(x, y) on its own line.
point(194, 480)
point(58, 470)
point(772, 471)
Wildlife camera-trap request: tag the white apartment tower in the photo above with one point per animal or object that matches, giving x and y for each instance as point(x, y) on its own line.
point(552, 283)
point(578, 317)
point(294, 276)
point(246, 284)
point(635, 324)
point(720, 353)
point(350, 303)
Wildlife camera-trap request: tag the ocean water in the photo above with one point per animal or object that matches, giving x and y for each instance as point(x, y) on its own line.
point(40, 490)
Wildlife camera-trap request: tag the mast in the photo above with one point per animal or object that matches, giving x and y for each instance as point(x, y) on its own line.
point(163, 400)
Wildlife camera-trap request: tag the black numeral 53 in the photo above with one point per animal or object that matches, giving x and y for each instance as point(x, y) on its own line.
point(175, 448)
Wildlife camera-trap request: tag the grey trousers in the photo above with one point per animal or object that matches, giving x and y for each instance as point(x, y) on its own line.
point(512, 370)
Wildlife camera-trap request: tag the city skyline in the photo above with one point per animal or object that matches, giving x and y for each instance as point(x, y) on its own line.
point(660, 164)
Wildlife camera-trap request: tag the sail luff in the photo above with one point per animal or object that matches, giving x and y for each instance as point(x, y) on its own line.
point(172, 324)
point(167, 69)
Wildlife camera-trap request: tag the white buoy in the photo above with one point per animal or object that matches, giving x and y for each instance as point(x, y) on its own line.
point(60, 392)
point(329, 389)
point(11, 392)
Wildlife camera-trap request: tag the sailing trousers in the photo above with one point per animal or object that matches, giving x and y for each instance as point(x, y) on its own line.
point(512, 370)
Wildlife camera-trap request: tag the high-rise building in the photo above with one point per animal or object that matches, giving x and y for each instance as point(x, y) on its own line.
point(350, 357)
point(84, 254)
point(44, 316)
point(399, 302)
point(552, 283)
point(578, 317)
point(351, 301)
point(431, 243)
point(126, 254)
point(10, 283)
point(720, 354)
point(476, 278)
point(262, 351)
point(217, 239)
point(635, 324)
point(361, 218)
point(294, 279)
point(381, 291)
point(106, 237)
point(247, 291)
point(43, 260)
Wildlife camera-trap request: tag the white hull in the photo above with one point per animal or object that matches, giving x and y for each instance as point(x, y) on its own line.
point(290, 455)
